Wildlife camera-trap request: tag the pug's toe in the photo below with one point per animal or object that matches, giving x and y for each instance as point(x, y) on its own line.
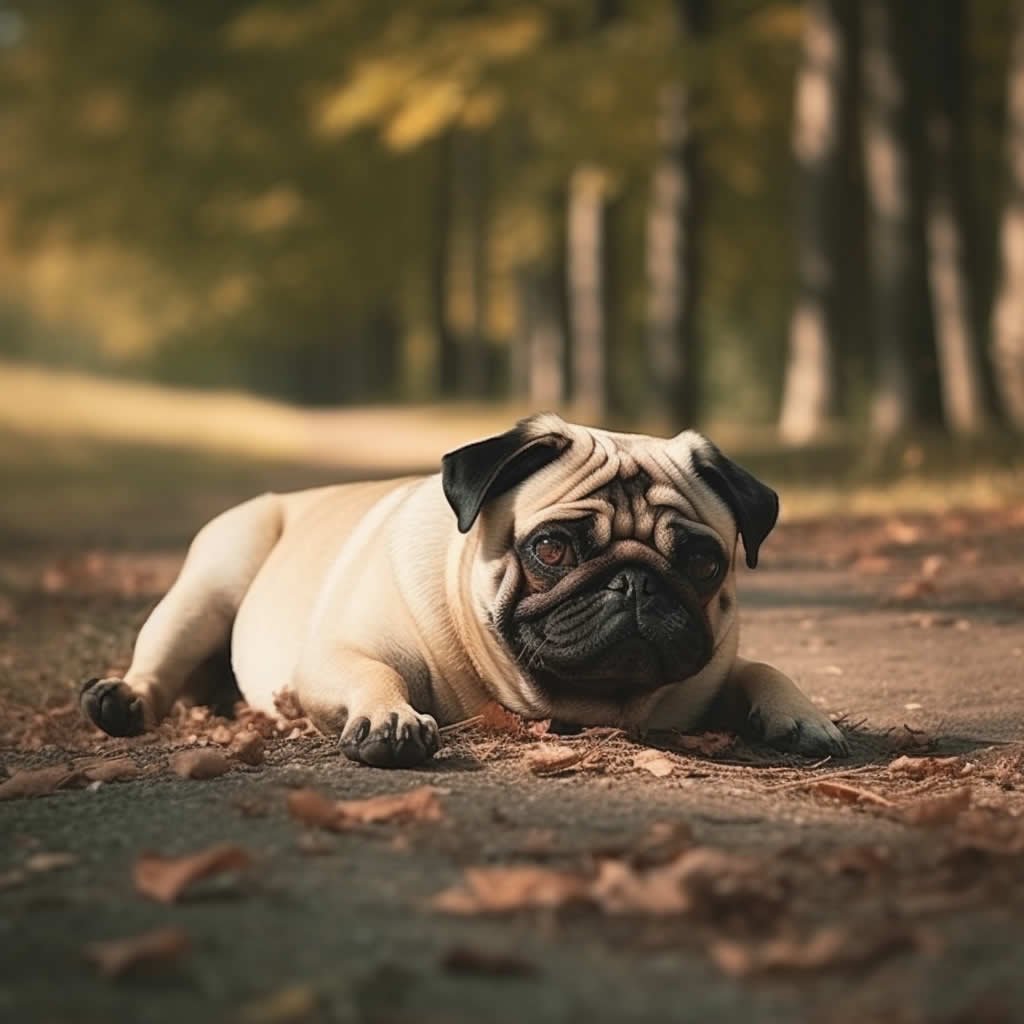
point(113, 707)
point(391, 739)
point(812, 735)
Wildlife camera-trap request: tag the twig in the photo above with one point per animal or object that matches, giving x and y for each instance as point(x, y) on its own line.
point(801, 783)
point(446, 730)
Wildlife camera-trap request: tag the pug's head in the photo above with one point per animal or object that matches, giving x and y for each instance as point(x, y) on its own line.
point(604, 562)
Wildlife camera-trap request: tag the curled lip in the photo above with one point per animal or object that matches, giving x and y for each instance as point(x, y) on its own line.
point(618, 555)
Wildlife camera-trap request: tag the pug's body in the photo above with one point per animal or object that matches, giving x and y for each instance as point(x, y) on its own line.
point(585, 575)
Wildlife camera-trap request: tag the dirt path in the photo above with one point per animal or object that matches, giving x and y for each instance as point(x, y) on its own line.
point(802, 901)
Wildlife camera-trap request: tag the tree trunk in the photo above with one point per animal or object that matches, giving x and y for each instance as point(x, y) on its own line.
point(959, 370)
point(439, 271)
point(673, 224)
point(811, 389)
point(1008, 319)
point(585, 242)
point(473, 183)
point(891, 227)
point(542, 340)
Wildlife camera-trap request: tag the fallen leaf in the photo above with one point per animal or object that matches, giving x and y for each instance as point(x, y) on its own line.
point(248, 747)
point(415, 805)
point(552, 758)
point(164, 879)
point(40, 782)
point(117, 956)
point(927, 767)
point(467, 960)
point(829, 947)
point(620, 889)
point(49, 861)
point(495, 718)
point(936, 810)
point(117, 769)
point(286, 1006)
point(655, 762)
point(500, 890)
point(205, 763)
point(700, 880)
point(848, 794)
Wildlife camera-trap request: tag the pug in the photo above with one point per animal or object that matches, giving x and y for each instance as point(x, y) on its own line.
point(563, 571)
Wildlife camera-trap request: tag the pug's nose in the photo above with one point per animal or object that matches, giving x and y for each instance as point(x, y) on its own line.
point(633, 583)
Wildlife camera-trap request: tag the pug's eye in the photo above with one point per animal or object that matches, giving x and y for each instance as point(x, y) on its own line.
point(552, 551)
point(702, 567)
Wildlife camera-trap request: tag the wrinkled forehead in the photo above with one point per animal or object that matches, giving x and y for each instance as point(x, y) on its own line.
point(628, 484)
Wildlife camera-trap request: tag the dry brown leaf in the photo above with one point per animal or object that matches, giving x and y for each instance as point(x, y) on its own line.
point(40, 782)
point(467, 960)
point(849, 794)
point(927, 767)
point(204, 763)
point(914, 590)
point(415, 805)
point(164, 879)
point(501, 890)
point(827, 948)
point(248, 747)
point(495, 718)
point(117, 769)
point(44, 861)
point(656, 762)
point(936, 810)
point(117, 956)
point(619, 889)
point(551, 758)
point(700, 880)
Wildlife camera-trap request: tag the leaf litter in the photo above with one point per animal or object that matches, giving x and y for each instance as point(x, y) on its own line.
point(419, 805)
point(159, 947)
point(167, 879)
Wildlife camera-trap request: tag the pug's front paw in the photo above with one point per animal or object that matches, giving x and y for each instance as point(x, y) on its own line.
point(389, 738)
point(804, 731)
point(111, 705)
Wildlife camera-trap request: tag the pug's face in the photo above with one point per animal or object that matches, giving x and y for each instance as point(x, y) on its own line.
point(605, 561)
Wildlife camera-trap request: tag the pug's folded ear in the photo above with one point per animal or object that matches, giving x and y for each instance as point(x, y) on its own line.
point(479, 472)
point(754, 505)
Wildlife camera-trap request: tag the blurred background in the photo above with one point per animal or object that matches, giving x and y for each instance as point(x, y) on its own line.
point(793, 224)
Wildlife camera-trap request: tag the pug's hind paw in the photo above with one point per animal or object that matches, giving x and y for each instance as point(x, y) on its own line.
point(113, 707)
point(391, 739)
point(810, 734)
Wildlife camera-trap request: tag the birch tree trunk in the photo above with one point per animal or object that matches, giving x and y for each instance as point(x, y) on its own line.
point(891, 241)
point(585, 252)
point(811, 389)
point(1007, 347)
point(963, 403)
point(672, 244)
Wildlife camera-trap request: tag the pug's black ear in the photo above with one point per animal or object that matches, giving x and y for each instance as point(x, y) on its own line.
point(475, 474)
point(754, 505)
